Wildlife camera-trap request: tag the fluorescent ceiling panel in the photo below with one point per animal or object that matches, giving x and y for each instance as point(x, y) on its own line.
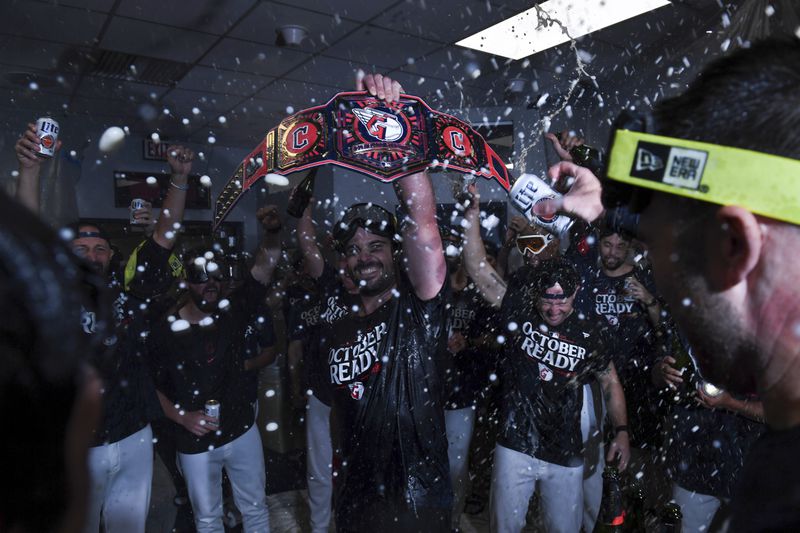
point(522, 35)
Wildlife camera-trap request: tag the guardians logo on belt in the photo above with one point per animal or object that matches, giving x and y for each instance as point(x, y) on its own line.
point(383, 140)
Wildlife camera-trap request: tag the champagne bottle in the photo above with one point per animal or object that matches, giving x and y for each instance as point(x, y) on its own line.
point(681, 353)
point(612, 513)
point(634, 507)
point(586, 156)
point(670, 518)
point(300, 195)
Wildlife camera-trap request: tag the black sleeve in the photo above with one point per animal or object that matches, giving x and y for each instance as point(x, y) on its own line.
point(267, 337)
point(158, 353)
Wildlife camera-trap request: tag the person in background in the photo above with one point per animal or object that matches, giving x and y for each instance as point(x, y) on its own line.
point(734, 264)
point(200, 354)
point(121, 459)
point(50, 395)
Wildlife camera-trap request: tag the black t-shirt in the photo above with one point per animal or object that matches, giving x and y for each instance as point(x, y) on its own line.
point(544, 370)
point(129, 397)
point(635, 346)
point(335, 303)
point(466, 372)
point(767, 497)
point(260, 334)
point(707, 448)
point(387, 404)
point(302, 325)
point(206, 362)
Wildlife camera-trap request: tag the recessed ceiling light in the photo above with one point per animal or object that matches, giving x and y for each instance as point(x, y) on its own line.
point(522, 35)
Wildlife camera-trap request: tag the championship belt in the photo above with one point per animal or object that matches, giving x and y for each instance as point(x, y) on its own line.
point(385, 141)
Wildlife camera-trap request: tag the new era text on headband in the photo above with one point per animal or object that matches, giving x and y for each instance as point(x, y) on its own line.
point(765, 184)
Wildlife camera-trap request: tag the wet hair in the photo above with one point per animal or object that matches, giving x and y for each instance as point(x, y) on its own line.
point(557, 270)
point(371, 217)
point(608, 231)
point(101, 233)
point(748, 99)
point(42, 291)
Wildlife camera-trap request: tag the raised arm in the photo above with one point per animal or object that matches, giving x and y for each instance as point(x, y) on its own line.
point(489, 283)
point(180, 163)
point(307, 240)
point(30, 168)
point(422, 244)
point(615, 403)
point(269, 250)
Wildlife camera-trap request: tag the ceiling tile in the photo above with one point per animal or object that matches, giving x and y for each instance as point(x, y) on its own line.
point(261, 25)
point(53, 22)
point(247, 56)
point(93, 5)
point(39, 103)
point(154, 40)
point(212, 16)
point(352, 9)
point(297, 94)
point(451, 63)
point(395, 49)
point(34, 81)
point(120, 110)
point(222, 81)
point(330, 71)
point(93, 86)
point(442, 20)
point(182, 102)
point(32, 53)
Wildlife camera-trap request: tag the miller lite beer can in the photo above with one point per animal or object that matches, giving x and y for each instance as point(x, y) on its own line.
point(136, 204)
point(47, 131)
point(212, 409)
point(530, 190)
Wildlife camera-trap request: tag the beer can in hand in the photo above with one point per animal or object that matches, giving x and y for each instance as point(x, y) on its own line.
point(528, 191)
point(47, 131)
point(212, 409)
point(136, 204)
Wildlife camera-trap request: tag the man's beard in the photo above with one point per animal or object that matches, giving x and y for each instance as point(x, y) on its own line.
point(724, 355)
point(611, 263)
point(203, 304)
point(376, 286)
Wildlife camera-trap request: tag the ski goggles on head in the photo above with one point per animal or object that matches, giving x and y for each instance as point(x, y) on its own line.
point(640, 163)
point(533, 244)
point(373, 218)
point(198, 269)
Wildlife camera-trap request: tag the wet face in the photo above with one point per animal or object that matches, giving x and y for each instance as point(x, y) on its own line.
point(370, 263)
point(94, 250)
point(555, 306)
point(613, 251)
point(206, 295)
point(711, 322)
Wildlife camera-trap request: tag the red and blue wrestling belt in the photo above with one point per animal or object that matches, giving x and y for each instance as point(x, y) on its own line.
point(357, 131)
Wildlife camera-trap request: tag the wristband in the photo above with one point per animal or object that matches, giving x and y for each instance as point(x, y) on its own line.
point(619, 429)
point(184, 187)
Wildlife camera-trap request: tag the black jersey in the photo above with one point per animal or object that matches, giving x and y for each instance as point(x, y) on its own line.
point(206, 362)
point(387, 403)
point(544, 370)
point(129, 397)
